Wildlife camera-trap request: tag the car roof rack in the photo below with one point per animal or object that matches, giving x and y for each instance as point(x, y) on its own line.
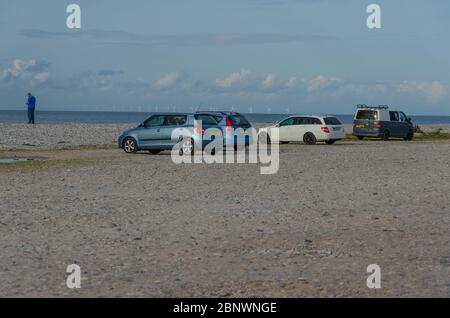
point(373, 107)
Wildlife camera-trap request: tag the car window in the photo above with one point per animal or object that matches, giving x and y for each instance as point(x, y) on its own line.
point(393, 116)
point(403, 117)
point(298, 121)
point(302, 121)
point(175, 120)
point(153, 121)
point(315, 121)
point(287, 122)
point(238, 120)
point(332, 121)
point(367, 114)
point(217, 118)
point(206, 119)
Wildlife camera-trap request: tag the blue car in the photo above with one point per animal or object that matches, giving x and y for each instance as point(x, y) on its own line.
point(233, 125)
point(164, 130)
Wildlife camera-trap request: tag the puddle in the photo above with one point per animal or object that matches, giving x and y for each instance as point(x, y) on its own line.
point(17, 160)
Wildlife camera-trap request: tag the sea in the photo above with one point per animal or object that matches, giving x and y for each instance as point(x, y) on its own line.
point(92, 117)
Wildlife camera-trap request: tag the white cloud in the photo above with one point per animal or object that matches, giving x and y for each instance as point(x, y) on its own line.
point(28, 71)
point(433, 91)
point(42, 76)
point(233, 78)
point(291, 82)
point(320, 82)
point(268, 81)
point(168, 80)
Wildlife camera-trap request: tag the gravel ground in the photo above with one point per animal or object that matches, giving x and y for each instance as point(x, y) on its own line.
point(23, 136)
point(139, 225)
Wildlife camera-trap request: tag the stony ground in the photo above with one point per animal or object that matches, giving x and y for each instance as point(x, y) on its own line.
point(23, 136)
point(139, 225)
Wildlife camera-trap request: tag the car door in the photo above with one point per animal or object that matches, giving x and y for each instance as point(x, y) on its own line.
point(150, 133)
point(171, 123)
point(404, 125)
point(315, 125)
point(301, 127)
point(286, 129)
point(394, 124)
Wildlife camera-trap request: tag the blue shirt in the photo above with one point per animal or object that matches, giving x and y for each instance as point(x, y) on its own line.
point(31, 102)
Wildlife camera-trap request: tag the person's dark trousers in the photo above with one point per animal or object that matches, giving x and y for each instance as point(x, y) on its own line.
point(31, 116)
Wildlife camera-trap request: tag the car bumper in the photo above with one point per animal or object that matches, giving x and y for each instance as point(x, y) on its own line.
point(367, 132)
point(120, 141)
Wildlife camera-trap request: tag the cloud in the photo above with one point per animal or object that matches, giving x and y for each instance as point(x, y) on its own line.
point(268, 81)
point(234, 78)
point(433, 91)
point(30, 72)
point(122, 38)
point(321, 82)
point(168, 80)
point(291, 82)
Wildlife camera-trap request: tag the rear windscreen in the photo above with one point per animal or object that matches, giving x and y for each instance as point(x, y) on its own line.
point(367, 114)
point(332, 121)
point(238, 120)
point(206, 119)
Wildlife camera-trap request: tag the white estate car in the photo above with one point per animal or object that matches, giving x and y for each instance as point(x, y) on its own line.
point(307, 128)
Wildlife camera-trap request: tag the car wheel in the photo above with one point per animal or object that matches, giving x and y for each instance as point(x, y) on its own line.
point(309, 139)
point(386, 135)
point(154, 151)
point(130, 145)
point(187, 147)
point(360, 137)
point(409, 136)
point(266, 138)
point(330, 142)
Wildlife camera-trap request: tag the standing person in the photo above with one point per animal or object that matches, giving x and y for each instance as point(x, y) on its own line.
point(31, 106)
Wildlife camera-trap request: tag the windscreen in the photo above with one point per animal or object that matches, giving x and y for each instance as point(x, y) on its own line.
point(367, 114)
point(332, 121)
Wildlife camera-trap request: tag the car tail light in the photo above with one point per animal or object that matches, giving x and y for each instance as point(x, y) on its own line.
point(325, 130)
point(199, 130)
point(229, 124)
point(378, 125)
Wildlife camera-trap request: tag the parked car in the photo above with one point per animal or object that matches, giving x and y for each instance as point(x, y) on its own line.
point(233, 126)
point(381, 122)
point(307, 128)
point(163, 131)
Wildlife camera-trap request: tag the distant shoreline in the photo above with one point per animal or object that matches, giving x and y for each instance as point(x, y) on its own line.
point(102, 117)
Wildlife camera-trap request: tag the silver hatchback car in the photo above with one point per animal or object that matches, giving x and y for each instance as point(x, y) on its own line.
point(164, 130)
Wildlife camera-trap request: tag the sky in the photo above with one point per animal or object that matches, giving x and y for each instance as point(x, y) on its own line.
point(261, 56)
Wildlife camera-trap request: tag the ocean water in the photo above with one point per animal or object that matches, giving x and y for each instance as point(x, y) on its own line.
point(55, 117)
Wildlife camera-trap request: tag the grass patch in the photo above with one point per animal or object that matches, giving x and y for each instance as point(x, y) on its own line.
point(423, 136)
point(83, 147)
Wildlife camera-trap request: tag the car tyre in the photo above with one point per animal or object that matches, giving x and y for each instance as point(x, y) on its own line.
point(386, 135)
point(360, 137)
point(309, 139)
point(187, 147)
point(409, 136)
point(267, 138)
point(130, 145)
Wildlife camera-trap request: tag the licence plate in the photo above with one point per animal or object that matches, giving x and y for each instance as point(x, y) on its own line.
point(336, 128)
point(359, 126)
